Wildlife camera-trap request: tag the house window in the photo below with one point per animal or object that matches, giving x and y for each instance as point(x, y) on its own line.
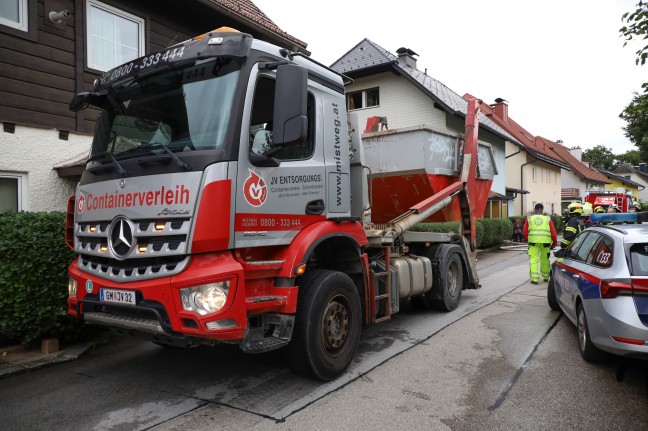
point(11, 193)
point(533, 174)
point(13, 13)
point(363, 99)
point(114, 36)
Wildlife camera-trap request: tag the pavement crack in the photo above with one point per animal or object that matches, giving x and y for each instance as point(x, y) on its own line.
point(205, 401)
point(500, 400)
point(199, 406)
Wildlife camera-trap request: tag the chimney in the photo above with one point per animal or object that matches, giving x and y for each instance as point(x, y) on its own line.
point(406, 57)
point(577, 153)
point(501, 109)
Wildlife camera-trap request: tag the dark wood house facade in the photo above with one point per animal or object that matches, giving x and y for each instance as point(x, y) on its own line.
point(51, 49)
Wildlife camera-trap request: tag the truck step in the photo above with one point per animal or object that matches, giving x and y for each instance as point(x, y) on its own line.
point(264, 345)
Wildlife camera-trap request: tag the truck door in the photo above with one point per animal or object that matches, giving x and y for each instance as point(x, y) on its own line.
point(274, 203)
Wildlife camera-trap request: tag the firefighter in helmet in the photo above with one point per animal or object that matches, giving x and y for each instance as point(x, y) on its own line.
point(541, 235)
point(613, 209)
point(574, 224)
point(587, 212)
point(597, 210)
point(635, 207)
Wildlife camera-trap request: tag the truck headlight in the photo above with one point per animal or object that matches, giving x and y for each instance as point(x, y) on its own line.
point(72, 286)
point(206, 298)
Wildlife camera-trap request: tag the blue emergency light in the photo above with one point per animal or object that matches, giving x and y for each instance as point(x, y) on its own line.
point(604, 218)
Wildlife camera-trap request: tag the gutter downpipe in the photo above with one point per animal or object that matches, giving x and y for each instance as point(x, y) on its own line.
point(535, 159)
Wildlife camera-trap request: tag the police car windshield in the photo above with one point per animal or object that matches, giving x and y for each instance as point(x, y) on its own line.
point(185, 109)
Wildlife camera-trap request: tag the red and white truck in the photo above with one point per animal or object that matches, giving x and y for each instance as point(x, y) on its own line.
point(226, 199)
point(604, 198)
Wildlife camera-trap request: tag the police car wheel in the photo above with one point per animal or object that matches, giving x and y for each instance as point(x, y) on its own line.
point(588, 351)
point(551, 295)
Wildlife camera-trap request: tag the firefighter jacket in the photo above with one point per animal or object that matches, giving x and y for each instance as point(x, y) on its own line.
point(539, 229)
point(574, 226)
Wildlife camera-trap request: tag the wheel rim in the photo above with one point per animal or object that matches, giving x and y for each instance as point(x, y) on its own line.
point(453, 275)
point(335, 325)
point(582, 331)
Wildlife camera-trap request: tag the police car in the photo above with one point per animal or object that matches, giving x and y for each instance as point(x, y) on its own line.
point(601, 284)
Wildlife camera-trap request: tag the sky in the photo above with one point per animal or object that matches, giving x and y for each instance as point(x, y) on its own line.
point(560, 64)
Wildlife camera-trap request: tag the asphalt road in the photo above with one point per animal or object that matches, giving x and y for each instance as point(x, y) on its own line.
point(502, 360)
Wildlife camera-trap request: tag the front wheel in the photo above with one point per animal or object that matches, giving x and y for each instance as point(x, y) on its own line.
point(551, 295)
point(327, 325)
point(588, 351)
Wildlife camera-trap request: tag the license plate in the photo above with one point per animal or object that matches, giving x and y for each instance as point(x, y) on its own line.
point(118, 296)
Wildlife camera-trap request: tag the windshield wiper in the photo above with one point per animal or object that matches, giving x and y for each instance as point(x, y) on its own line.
point(168, 151)
point(123, 172)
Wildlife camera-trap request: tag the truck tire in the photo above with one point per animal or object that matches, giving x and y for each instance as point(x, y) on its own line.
point(327, 325)
point(449, 282)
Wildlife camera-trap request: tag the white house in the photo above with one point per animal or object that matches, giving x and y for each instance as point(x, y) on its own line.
point(391, 87)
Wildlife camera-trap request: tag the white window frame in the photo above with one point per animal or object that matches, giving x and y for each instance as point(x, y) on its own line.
point(113, 10)
point(21, 187)
point(22, 23)
point(533, 174)
point(364, 98)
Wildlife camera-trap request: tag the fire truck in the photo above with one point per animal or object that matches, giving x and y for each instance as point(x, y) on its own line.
point(226, 199)
point(605, 198)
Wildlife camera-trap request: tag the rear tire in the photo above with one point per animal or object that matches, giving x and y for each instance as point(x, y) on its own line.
point(588, 351)
point(551, 295)
point(327, 325)
point(449, 283)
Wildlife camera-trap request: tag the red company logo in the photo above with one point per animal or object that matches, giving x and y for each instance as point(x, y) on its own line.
point(81, 203)
point(255, 190)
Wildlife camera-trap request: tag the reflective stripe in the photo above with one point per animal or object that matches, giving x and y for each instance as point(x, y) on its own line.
point(539, 229)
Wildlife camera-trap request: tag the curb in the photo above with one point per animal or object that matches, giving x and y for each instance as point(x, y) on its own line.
point(70, 354)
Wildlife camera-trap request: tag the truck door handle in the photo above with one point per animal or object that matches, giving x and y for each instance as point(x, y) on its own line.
point(315, 207)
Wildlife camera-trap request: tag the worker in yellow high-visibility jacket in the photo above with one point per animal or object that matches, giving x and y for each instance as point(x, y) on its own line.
point(540, 233)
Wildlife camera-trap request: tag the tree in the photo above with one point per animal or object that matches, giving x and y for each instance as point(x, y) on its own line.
point(636, 113)
point(632, 157)
point(637, 29)
point(636, 117)
point(601, 157)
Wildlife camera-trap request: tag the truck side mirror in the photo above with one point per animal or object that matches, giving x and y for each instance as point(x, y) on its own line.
point(80, 101)
point(290, 124)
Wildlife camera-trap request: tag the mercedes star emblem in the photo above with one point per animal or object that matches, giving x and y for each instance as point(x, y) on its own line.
point(120, 240)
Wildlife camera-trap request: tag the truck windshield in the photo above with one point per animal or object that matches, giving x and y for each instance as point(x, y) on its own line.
point(185, 109)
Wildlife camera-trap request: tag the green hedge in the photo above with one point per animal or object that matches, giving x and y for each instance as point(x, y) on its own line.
point(490, 232)
point(33, 278)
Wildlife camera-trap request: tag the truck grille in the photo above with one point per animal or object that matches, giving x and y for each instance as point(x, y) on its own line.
point(132, 270)
point(156, 248)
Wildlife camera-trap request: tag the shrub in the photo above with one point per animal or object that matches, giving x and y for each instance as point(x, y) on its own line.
point(489, 232)
point(33, 277)
point(558, 222)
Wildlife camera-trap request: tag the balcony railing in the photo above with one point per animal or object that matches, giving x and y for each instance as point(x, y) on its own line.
point(570, 193)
